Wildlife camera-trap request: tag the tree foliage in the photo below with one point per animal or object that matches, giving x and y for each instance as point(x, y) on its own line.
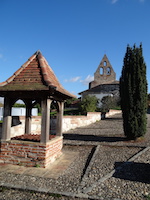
point(133, 93)
point(109, 102)
point(19, 105)
point(148, 100)
point(68, 102)
point(88, 104)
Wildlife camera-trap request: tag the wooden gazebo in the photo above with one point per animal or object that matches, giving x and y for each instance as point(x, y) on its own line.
point(34, 82)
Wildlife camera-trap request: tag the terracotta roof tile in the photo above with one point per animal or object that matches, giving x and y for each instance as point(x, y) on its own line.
point(35, 74)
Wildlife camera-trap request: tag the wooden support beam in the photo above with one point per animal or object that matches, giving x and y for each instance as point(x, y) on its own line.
point(59, 119)
point(45, 123)
point(6, 128)
point(28, 116)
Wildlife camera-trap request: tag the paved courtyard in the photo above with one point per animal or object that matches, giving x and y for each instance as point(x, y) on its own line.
point(97, 163)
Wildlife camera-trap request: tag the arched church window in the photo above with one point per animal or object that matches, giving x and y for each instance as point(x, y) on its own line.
point(101, 71)
point(105, 63)
point(108, 71)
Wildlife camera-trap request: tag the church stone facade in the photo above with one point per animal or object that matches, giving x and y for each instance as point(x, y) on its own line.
point(104, 73)
point(104, 83)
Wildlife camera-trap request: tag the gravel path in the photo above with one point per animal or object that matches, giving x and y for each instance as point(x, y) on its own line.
point(108, 131)
point(129, 182)
point(105, 168)
point(105, 160)
point(14, 194)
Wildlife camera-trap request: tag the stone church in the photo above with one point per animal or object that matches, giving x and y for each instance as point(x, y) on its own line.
point(105, 83)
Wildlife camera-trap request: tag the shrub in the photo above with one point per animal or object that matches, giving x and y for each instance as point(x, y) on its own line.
point(88, 104)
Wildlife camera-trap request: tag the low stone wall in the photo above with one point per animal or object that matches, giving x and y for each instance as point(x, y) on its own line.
point(69, 122)
point(18, 125)
point(113, 112)
point(30, 154)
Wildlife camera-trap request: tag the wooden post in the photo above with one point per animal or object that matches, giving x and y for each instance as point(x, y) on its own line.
point(59, 119)
point(6, 128)
point(28, 117)
point(45, 123)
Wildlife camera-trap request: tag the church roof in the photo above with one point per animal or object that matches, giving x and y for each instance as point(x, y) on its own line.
point(34, 75)
point(100, 88)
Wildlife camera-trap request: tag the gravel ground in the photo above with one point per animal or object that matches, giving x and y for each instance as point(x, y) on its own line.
point(68, 181)
point(108, 131)
point(102, 149)
point(13, 194)
point(130, 182)
point(105, 160)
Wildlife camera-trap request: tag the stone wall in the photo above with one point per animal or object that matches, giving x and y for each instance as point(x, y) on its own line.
point(30, 154)
point(69, 122)
point(113, 112)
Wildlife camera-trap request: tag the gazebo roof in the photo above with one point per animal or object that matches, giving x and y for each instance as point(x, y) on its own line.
point(34, 75)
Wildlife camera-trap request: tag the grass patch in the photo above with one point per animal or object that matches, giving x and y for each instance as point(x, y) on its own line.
point(116, 108)
point(55, 195)
point(37, 165)
point(147, 197)
point(2, 188)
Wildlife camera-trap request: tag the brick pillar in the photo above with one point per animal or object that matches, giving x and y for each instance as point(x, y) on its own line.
point(59, 119)
point(45, 122)
point(6, 128)
point(28, 117)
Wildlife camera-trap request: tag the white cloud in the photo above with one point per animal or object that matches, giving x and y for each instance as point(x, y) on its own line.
point(1, 56)
point(87, 80)
point(75, 79)
point(114, 1)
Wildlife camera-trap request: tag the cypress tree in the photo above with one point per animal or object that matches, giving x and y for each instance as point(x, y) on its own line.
point(133, 93)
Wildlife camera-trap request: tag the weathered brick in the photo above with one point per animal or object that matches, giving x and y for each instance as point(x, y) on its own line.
point(30, 154)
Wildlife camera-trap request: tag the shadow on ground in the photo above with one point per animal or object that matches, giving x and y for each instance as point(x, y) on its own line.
point(94, 138)
point(113, 119)
point(133, 171)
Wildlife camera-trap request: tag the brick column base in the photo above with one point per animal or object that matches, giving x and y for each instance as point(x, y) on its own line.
point(30, 154)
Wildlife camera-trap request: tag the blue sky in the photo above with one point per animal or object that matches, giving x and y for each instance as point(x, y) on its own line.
point(73, 35)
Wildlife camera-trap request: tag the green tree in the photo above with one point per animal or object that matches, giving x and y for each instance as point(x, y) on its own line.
point(148, 104)
point(133, 93)
point(109, 102)
point(148, 101)
point(88, 104)
point(68, 102)
point(19, 105)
